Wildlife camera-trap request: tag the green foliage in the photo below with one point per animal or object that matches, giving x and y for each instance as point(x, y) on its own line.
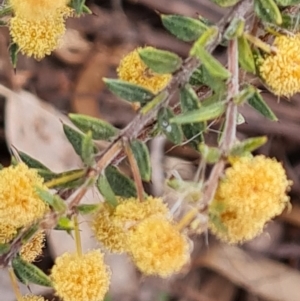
point(248, 145)
point(29, 273)
point(31, 162)
point(189, 102)
point(160, 61)
point(209, 154)
point(87, 208)
point(205, 113)
point(173, 132)
point(287, 2)
point(77, 140)
point(65, 224)
point(235, 29)
point(226, 3)
point(128, 91)
point(13, 54)
point(142, 157)
point(87, 151)
point(245, 94)
point(246, 59)
point(119, 183)
point(268, 11)
point(100, 129)
point(258, 103)
point(52, 200)
point(106, 190)
point(184, 28)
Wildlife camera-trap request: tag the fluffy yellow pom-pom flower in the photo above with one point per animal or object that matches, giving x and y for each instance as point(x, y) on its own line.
point(111, 225)
point(135, 71)
point(80, 277)
point(38, 37)
point(110, 234)
point(158, 248)
point(34, 248)
point(32, 298)
point(33, 9)
point(281, 71)
point(252, 192)
point(7, 233)
point(19, 203)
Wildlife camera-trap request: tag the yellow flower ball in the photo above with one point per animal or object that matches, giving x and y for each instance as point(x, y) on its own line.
point(135, 71)
point(281, 71)
point(19, 203)
point(158, 248)
point(81, 278)
point(32, 298)
point(33, 9)
point(111, 225)
point(110, 234)
point(252, 192)
point(38, 37)
point(7, 233)
point(34, 248)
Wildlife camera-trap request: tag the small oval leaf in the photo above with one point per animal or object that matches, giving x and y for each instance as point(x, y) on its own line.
point(119, 183)
point(160, 61)
point(184, 28)
point(87, 150)
point(248, 145)
point(87, 208)
point(258, 103)
point(173, 131)
point(128, 91)
point(30, 273)
point(100, 129)
point(142, 157)
point(268, 11)
point(106, 190)
point(246, 59)
point(31, 162)
point(205, 113)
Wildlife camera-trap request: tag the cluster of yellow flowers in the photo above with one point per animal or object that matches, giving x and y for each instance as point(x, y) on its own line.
point(146, 231)
point(281, 71)
point(135, 71)
point(252, 192)
point(20, 207)
point(37, 26)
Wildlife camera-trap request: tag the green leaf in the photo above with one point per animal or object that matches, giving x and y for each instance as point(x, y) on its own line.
point(87, 151)
point(258, 103)
point(106, 190)
point(30, 273)
point(205, 113)
point(76, 139)
point(209, 154)
point(246, 59)
point(160, 61)
point(65, 179)
point(247, 146)
point(4, 248)
point(226, 3)
point(287, 2)
point(184, 28)
point(173, 131)
point(13, 54)
point(64, 223)
point(53, 201)
point(268, 11)
point(291, 22)
point(87, 208)
point(205, 39)
point(32, 163)
point(245, 94)
point(235, 28)
point(120, 184)
point(128, 91)
point(213, 66)
point(78, 5)
point(189, 102)
point(100, 129)
point(142, 157)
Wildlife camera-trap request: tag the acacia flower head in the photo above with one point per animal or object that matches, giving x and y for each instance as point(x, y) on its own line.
point(111, 224)
point(7, 233)
point(81, 277)
point(110, 234)
point(39, 37)
point(32, 9)
point(281, 71)
point(252, 192)
point(135, 71)
point(31, 250)
point(158, 248)
point(32, 298)
point(19, 203)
